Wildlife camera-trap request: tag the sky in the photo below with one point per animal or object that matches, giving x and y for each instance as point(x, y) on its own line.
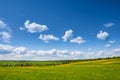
point(59, 29)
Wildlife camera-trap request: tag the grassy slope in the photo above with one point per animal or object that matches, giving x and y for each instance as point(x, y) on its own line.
point(108, 69)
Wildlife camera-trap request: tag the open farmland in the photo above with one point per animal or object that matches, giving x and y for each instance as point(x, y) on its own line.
point(104, 69)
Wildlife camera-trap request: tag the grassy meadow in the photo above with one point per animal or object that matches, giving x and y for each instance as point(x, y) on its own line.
point(100, 69)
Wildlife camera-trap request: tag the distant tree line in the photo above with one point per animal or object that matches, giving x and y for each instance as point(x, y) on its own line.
point(49, 63)
point(27, 63)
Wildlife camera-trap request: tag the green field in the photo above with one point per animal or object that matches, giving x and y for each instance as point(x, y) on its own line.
point(105, 69)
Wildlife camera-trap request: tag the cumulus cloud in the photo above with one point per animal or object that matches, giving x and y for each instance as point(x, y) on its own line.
point(53, 52)
point(78, 40)
point(47, 38)
point(112, 41)
point(33, 27)
point(8, 52)
point(108, 45)
point(21, 28)
point(2, 24)
point(5, 32)
point(117, 50)
point(101, 52)
point(76, 53)
point(110, 24)
point(68, 34)
point(102, 35)
point(11, 49)
point(5, 36)
point(20, 50)
point(5, 49)
point(89, 49)
point(21, 53)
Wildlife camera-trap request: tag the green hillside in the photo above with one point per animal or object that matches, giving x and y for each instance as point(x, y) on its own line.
point(103, 69)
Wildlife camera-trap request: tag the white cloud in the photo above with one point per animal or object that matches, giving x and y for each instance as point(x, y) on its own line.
point(68, 34)
point(22, 53)
point(76, 53)
point(47, 38)
point(2, 24)
point(20, 50)
point(4, 27)
point(109, 24)
point(5, 49)
point(53, 52)
point(111, 42)
point(117, 50)
point(21, 28)
point(5, 36)
point(100, 53)
point(78, 40)
point(108, 45)
point(8, 52)
point(5, 32)
point(89, 49)
point(10, 49)
point(102, 35)
point(34, 27)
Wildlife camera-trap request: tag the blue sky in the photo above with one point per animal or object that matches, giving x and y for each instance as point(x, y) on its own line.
point(59, 29)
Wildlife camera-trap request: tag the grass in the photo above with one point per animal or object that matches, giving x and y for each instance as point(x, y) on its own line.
point(105, 69)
